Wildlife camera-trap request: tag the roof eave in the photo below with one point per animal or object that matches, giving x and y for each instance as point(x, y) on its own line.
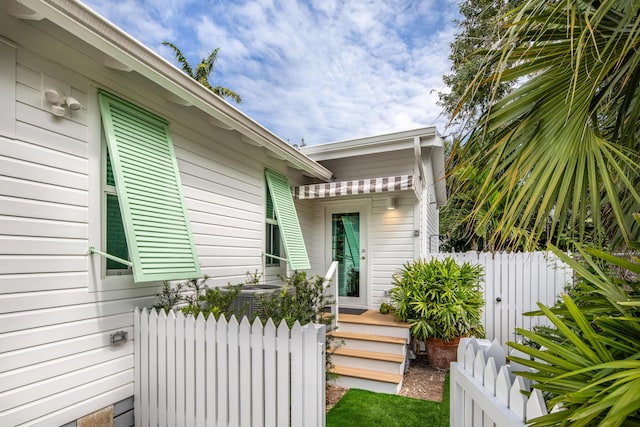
point(373, 144)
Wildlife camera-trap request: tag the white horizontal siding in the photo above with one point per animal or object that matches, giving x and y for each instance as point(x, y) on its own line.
point(372, 166)
point(309, 213)
point(391, 242)
point(33, 282)
point(32, 345)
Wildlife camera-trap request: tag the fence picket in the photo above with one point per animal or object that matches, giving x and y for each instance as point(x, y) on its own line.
point(536, 406)
point(137, 367)
point(496, 352)
point(211, 410)
point(479, 365)
point(244, 343)
point(503, 385)
point(233, 372)
point(490, 375)
point(162, 368)
point(270, 372)
point(171, 368)
point(180, 369)
point(144, 362)
point(297, 373)
point(462, 348)
point(223, 372)
point(189, 371)
point(517, 400)
point(153, 367)
point(200, 395)
point(257, 374)
point(284, 374)
point(469, 356)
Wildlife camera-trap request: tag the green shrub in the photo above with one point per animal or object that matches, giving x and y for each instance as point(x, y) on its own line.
point(193, 297)
point(301, 299)
point(439, 298)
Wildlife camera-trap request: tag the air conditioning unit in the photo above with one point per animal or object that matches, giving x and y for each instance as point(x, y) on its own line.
point(248, 300)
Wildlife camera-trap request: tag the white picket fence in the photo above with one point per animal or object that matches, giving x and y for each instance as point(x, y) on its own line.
point(484, 390)
point(513, 283)
point(196, 372)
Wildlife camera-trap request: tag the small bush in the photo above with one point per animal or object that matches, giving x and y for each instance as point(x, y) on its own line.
point(193, 297)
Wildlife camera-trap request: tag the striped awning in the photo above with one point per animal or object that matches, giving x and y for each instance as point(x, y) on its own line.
point(357, 186)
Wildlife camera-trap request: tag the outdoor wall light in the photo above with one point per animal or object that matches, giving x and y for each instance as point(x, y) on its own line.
point(60, 103)
point(391, 203)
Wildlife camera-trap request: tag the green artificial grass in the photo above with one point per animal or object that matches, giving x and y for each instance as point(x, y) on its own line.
point(364, 408)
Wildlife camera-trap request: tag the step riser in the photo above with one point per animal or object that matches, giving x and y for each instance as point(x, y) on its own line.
point(387, 331)
point(371, 364)
point(365, 384)
point(382, 347)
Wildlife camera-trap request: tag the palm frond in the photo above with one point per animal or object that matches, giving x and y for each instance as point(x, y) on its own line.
point(182, 60)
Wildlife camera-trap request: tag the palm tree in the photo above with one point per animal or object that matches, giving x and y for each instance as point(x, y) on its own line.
point(563, 148)
point(203, 71)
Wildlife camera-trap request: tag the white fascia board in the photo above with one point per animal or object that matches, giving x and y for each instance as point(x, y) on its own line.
point(404, 140)
point(83, 23)
point(439, 174)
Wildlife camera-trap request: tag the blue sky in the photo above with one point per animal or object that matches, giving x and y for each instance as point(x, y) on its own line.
point(322, 70)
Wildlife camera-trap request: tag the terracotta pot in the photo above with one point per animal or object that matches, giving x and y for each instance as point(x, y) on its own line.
point(440, 354)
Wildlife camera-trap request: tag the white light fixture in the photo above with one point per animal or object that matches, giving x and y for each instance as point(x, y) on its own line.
point(391, 203)
point(72, 103)
point(60, 103)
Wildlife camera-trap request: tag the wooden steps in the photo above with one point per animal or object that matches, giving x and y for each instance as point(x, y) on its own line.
point(365, 379)
point(367, 337)
point(371, 352)
point(368, 374)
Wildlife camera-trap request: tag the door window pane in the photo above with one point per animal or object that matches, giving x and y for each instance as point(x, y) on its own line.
point(346, 250)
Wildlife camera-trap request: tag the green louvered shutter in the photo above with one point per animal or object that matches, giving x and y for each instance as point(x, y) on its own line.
point(149, 192)
point(287, 220)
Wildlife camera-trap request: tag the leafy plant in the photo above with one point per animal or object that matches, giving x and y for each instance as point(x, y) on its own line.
point(169, 297)
point(439, 298)
point(303, 300)
point(193, 297)
point(589, 360)
point(300, 299)
point(385, 308)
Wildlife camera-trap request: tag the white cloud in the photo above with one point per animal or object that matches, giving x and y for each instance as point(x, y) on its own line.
point(323, 70)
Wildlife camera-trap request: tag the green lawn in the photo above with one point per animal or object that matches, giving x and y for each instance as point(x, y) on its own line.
point(364, 408)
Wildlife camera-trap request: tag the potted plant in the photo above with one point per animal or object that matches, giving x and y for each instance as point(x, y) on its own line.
point(442, 301)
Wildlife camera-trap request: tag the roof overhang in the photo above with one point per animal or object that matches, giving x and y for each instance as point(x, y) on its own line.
point(425, 139)
point(428, 137)
point(127, 54)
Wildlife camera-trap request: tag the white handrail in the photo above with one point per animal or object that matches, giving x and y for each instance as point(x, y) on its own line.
point(331, 278)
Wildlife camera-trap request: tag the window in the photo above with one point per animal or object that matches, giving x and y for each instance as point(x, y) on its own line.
point(286, 220)
point(272, 246)
point(115, 237)
point(147, 195)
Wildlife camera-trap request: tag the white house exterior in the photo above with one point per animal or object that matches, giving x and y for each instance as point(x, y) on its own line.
point(73, 88)
point(392, 185)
